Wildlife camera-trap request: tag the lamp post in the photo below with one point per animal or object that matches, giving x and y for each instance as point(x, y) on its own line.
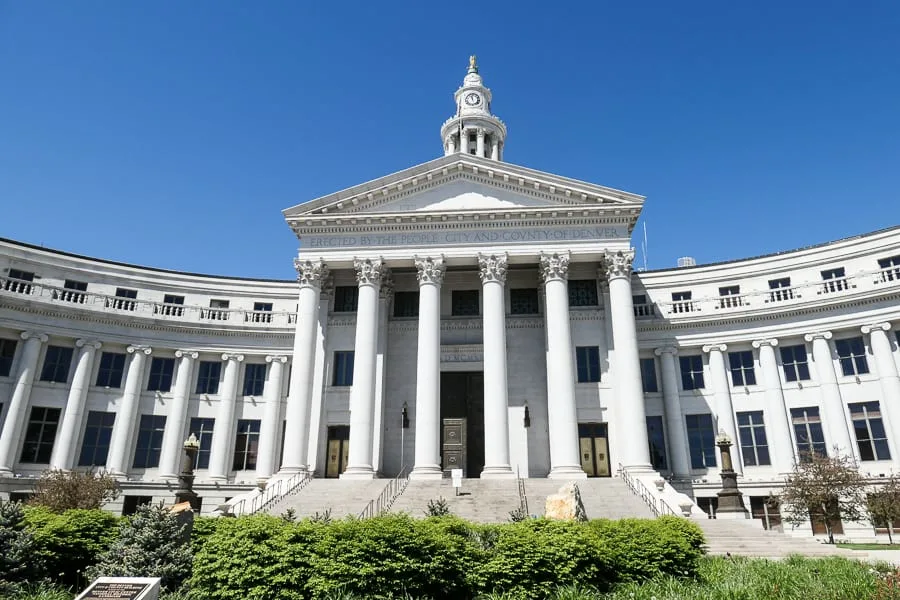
point(731, 501)
point(185, 491)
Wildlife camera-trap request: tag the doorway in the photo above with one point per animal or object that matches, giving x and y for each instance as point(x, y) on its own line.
point(338, 450)
point(594, 446)
point(462, 421)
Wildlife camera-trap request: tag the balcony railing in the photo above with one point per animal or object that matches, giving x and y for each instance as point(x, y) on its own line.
point(102, 303)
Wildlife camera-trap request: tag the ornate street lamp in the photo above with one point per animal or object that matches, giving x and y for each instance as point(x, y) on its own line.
point(731, 501)
point(185, 491)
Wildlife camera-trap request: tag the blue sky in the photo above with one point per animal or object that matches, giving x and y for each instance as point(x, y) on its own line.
point(172, 134)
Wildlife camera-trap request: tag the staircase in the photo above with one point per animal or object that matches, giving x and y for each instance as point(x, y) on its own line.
point(480, 500)
point(746, 537)
point(341, 497)
point(603, 497)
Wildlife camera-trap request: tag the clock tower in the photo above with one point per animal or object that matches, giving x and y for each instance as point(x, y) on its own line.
point(474, 130)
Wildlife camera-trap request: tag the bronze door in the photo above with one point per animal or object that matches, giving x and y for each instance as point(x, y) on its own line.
point(462, 407)
point(338, 450)
point(594, 449)
point(453, 452)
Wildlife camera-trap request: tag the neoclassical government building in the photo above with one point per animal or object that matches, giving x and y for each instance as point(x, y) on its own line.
point(462, 313)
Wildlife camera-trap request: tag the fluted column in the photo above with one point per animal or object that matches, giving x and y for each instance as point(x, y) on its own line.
point(562, 416)
point(888, 377)
point(176, 419)
point(778, 428)
point(310, 276)
point(271, 422)
point(724, 408)
point(64, 450)
point(362, 394)
point(678, 444)
point(223, 432)
point(833, 412)
point(633, 416)
point(428, 371)
point(122, 439)
point(492, 270)
point(17, 413)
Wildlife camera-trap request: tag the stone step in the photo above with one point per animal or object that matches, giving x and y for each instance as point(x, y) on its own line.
point(480, 500)
point(746, 537)
point(341, 497)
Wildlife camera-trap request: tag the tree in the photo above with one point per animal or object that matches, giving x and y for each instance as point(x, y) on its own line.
point(884, 506)
point(16, 545)
point(61, 490)
point(826, 487)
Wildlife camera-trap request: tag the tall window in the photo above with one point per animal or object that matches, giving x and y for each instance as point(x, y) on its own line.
point(112, 367)
point(56, 364)
point(730, 296)
point(657, 440)
point(523, 301)
point(149, 442)
point(97, 434)
point(852, 355)
point(346, 298)
point(871, 438)
point(583, 292)
point(74, 291)
point(343, 368)
point(741, 364)
point(255, 379)
point(246, 445)
point(208, 375)
point(124, 299)
point(19, 281)
point(7, 353)
point(795, 363)
point(40, 435)
point(752, 434)
point(464, 303)
point(701, 440)
point(172, 306)
point(834, 280)
point(808, 431)
point(161, 370)
point(681, 302)
point(262, 313)
point(890, 268)
point(648, 375)
point(587, 359)
point(406, 304)
point(691, 372)
point(202, 429)
point(781, 289)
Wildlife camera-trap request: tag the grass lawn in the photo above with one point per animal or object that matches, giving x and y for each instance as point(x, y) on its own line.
point(869, 546)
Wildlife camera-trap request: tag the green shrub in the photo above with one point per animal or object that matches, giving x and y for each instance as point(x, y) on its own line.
point(16, 546)
point(642, 549)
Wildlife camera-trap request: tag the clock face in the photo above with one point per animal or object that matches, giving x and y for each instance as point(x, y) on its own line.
point(473, 99)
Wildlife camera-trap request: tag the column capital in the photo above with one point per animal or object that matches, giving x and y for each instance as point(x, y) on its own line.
point(824, 335)
point(279, 358)
point(671, 350)
point(715, 347)
point(386, 292)
point(554, 267)
point(27, 335)
point(618, 264)
point(492, 268)
point(232, 356)
point(311, 273)
point(429, 270)
point(771, 342)
point(867, 329)
point(186, 354)
point(368, 271)
point(139, 348)
point(89, 345)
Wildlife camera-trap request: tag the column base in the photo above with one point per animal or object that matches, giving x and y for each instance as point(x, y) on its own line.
point(501, 472)
point(358, 473)
point(567, 472)
point(426, 472)
point(4, 472)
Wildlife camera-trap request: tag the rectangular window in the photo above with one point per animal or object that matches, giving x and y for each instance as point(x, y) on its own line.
point(203, 430)
point(130, 504)
point(648, 375)
point(834, 280)
point(97, 434)
point(871, 438)
point(587, 359)
point(246, 445)
point(7, 353)
point(217, 311)
point(691, 372)
point(161, 370)
point(124, 299)
point(40, 435)
point(808, 431)
point(752, 436)
point(73, 291)
point(657, 440)
point(682, 303)
point(345, 298)
point(852, 356)
point(701, 440)
point(890, 268)
point(56, 364)
point(780, 289)
point(172, 306)
point(795, 363)
point(730, 296)
point(523, 301)
point(583, 292)
point(641, 306)
point(19, 282)
point(208, 374)
point(741, 364)
point(262, 313)
point(464, 303)
point(343, 368)
point(255, 379)
point(112, 367)
point(406, 304)
point(149, 441)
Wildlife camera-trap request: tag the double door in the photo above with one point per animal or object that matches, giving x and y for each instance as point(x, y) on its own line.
point(338, 450)
point(594, 446)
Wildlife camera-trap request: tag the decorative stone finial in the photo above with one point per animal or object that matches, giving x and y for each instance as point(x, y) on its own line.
point(473, 65)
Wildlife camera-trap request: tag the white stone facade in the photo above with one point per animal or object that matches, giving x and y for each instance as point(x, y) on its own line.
point(464, 264)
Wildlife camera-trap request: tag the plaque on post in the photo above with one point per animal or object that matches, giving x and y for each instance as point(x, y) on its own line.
point(122, 588)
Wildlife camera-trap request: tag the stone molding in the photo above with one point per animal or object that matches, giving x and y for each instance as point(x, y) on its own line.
point(386, 291)
point(715, 348)
point(139, 348)
point(232, 356)
point(187, 354)
point(88, 345)
point(492, 268)
point(462, 353)
point(369, 271)
point(554, 267)
point(276, 358)
point(618, 264)
point(867, 329)
point(429, 270)
point(672, 350)
point(772, 342)
point(825, 335)
point(311, 273)
point(27, 335)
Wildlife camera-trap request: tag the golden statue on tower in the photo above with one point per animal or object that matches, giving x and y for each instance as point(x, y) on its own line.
point(473, 67)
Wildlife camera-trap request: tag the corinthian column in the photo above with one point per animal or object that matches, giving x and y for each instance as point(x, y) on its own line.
point(428, 371)
point(724, 408)
point(678, 445)
point(636, 453)
point(17, 412)
point(832, 404)
point(64, 450)
point(170, 459)
point(562, 417)
point(362, 395)
point(122, 439)
point(223, 432)
point(310, 275)
point(492, 270)
point(268, 431)
point(778, 427)
point(888, 377)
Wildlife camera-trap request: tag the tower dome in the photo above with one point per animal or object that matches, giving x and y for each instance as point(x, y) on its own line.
point(474, 130)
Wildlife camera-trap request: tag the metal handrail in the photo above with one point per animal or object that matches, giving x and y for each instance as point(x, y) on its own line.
point(658, 506)
point(272, 492)
point(386, 498)
point(523, 499)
